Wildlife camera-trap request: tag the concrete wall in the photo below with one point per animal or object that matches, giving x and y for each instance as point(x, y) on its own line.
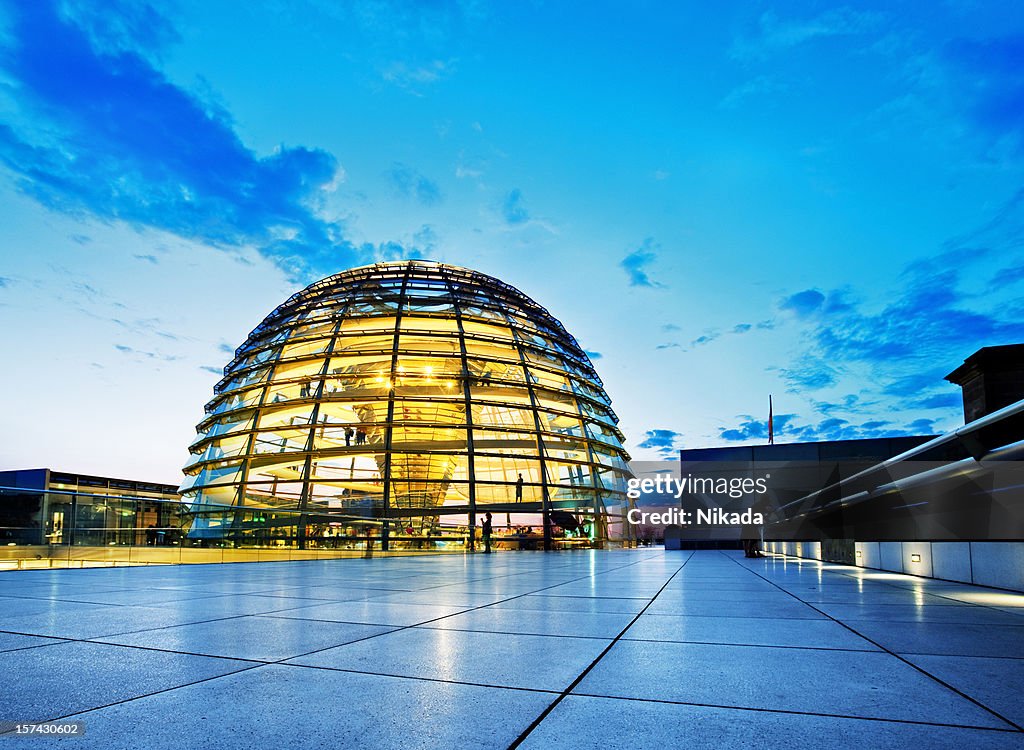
point(806, 550)
point(952, 561)
point(868, 555)
point(891, 554)
point(996, 564)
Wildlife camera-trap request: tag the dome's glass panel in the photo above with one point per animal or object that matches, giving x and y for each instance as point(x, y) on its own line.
point(405, 398)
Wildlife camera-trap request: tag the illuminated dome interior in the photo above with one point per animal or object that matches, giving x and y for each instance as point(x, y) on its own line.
point(405, 393)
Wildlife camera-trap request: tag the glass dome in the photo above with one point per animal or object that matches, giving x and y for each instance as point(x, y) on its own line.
point(406, 399)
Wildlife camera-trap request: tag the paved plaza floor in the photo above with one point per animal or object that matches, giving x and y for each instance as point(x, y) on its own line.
point(617, 649)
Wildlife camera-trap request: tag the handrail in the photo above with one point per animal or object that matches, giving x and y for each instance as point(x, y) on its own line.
point(968, 431)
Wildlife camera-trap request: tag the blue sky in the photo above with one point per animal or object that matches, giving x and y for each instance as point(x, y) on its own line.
point(823, 202)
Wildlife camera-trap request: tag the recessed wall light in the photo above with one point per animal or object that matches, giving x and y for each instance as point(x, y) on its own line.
point(915, 558)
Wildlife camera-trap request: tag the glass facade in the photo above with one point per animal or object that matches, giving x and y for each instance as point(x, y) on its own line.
point(399, 402)
point(39, 506)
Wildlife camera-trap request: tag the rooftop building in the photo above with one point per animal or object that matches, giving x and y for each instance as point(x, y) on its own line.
point(400, 400)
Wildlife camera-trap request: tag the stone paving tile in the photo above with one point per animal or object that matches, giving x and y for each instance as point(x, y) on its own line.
point(251, 637)
point(904, 613)
point(439, 597)
point(773, 609)
point(93, 620)
point(953, 639)
point(372, 612)
point(12, 642)
point(51, 681)
point(720, 650)
point(294, 707)
point(13, 609)
point(997, 683)
point(603, 723)
point(757, 631)
point(539, 622)
point(858, 683)
point(498, 659)
point(572, 604)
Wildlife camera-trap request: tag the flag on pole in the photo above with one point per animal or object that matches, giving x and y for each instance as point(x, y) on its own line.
point(771, 427)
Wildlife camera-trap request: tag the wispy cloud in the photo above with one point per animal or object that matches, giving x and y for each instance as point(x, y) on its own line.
point(809, 373)
point(665, 442)
point(932, 318)
point(1007, 276)
point(803, 303)
point(471, 170)
point(713, 334)
point(144, 354)
point(758, 88)
point(110, 137)
point(637, 264)
point(961, 92)
point(851, 404)
point(790, 428)
point(944, 307)
point(986, 76)
point(145, 327)
point(394, 251)
point(414, 78)
point(773, 34)
point(411, 184)
point(512, 208)
point(895, 344)
point(426, 239)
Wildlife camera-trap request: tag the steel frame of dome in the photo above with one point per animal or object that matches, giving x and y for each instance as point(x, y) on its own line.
point(406, 390)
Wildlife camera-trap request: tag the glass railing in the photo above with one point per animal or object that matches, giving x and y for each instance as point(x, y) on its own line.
point(45, 529)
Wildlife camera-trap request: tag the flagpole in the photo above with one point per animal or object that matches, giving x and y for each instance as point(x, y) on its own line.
point(771, 425)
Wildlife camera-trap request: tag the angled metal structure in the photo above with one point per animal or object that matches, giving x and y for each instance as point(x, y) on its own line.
point(386, 397)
